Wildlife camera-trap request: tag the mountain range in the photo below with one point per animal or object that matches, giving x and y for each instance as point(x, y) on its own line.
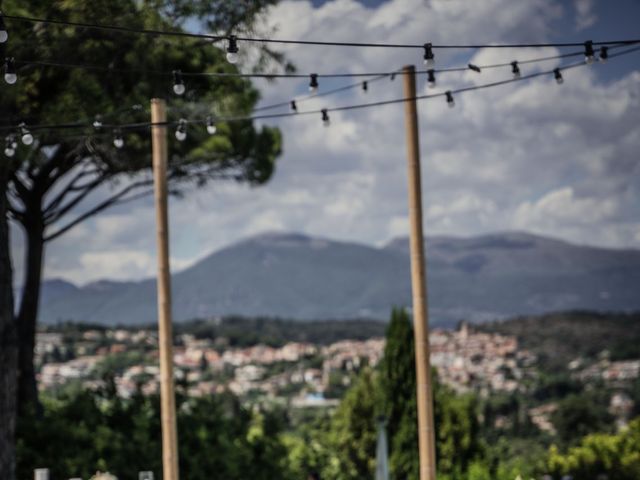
point(292, 275)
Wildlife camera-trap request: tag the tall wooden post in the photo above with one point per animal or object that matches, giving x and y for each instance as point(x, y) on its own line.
point(165, 334)
point(426, 432)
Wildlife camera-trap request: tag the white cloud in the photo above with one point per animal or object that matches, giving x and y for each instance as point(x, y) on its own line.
point(563, 205)
point(585, 17)
point(533, 155)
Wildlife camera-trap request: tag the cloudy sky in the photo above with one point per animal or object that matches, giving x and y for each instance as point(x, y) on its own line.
point(533, 156)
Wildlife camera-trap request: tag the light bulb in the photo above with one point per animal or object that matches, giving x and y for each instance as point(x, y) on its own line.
point(313, 82)
point(97, 123)
point(558, 76)
point(450, 101)
point(181, 131)
point(10, 71)
point(515, 69)
point(232, 50)
point(589, 53)
point(431, 79)
point(365, 87)
point(179, 88)
point(4, 35)
point(10, 148)
point(294, 106)
point(211, 126)
point(27, 138)
point(178, 83)
point(118, 141)
point(429, 58)
point(325, 118)
point(604, 54)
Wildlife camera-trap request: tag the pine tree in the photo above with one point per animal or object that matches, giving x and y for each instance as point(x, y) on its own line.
point(398, 386)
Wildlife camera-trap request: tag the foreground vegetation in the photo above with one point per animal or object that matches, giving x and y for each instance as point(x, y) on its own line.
point(478, 437)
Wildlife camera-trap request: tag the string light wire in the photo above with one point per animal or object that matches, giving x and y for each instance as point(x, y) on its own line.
point(212, 37)
point(146, 125)
point(171, 73)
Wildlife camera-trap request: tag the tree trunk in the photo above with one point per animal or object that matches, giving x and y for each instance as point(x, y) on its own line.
point(28, 314)
point(8, 346)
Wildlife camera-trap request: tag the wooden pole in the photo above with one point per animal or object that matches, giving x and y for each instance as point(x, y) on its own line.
point(165, 334)
point(426, 432)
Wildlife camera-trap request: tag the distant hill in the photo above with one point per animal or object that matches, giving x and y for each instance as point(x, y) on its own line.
point(296, 276)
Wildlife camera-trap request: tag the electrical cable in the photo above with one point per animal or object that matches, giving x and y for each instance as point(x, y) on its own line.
point(174, 33)
point(146, 125)
point(296, 75)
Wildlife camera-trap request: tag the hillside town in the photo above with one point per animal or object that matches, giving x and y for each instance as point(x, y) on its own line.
point(304, 374)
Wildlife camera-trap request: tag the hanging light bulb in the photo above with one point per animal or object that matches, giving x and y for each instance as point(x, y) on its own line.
point(313, 82)
point(515, 69)
point(27, 138)
point(211, 126)
point(589, 53)
point(178, 83)
point(10, 147)
point(4, 35)
point(97, 122)
point(392, 77)
point(10, 71)
point(365, 87)
point(118, 141)
point(475, 68)
point(429, 59)
point(294, 106)
point(450, 101)
point(558, 76)
point(181, 131)
point(431, 79)
point(232, 49)
point(604, 54)
point(325, 117)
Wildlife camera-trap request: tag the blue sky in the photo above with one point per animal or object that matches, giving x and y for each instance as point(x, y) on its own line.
point(555, 160)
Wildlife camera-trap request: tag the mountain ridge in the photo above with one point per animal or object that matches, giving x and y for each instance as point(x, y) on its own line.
point(294, 275)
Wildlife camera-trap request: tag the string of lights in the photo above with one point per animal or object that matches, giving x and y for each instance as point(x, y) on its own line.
point(232, 39)
point(178, 75)
point(182, 124)
point(179, 87)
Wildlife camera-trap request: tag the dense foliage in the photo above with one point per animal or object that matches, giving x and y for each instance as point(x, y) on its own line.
point(82, 432)
point(477, 437)
point(601, 455)
point(64, 178)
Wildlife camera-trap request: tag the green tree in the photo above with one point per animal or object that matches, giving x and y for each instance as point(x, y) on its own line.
point(398, 387)
point(455, 416)
point(64, 178)
point(352, 436)
point(83, 431)
point(579, 415)
point(617, 456)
